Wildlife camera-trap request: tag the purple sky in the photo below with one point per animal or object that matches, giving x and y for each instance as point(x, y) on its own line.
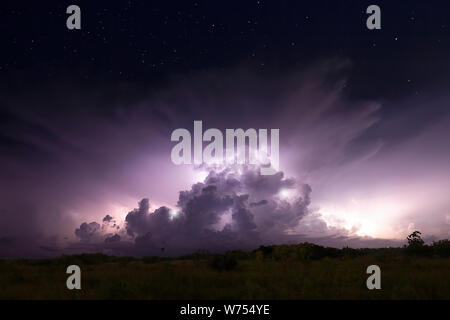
point(353, 172)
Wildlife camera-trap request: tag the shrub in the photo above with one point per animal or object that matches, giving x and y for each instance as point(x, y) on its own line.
point(222, 262)
point(441, 248)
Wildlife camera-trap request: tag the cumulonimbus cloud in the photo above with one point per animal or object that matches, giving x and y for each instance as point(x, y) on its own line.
point(232, 208)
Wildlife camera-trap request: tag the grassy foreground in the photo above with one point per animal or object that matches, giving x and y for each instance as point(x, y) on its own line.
point(207, 276)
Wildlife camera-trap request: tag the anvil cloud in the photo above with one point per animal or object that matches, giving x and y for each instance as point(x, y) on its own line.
point(76, 161)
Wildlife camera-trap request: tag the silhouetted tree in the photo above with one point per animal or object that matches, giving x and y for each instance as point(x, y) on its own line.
point(415, 240)
point(416, 245)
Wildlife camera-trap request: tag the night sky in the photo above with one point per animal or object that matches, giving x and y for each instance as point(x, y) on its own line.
point(86, 117)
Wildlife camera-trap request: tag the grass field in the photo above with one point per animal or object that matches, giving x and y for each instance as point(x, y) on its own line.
point(402, 277)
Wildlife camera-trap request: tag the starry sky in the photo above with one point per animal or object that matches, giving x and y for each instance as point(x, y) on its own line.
point(86, 117)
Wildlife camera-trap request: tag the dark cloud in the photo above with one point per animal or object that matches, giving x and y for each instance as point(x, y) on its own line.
point(87, 231)
point(112, 239)
point(107, 218)
point(259, 203)
point(219, 213)
point(225, 212)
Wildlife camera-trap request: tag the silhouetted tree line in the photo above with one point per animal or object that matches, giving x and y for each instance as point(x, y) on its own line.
point(309, 251)
point(229, 260)
point(416, 246)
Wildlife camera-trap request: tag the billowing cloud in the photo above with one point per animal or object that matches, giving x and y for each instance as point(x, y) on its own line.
point(87, 231)
point(112, 239)
point(220, 213)
point(350, 168)
point(232, 208)
point(107, 218)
